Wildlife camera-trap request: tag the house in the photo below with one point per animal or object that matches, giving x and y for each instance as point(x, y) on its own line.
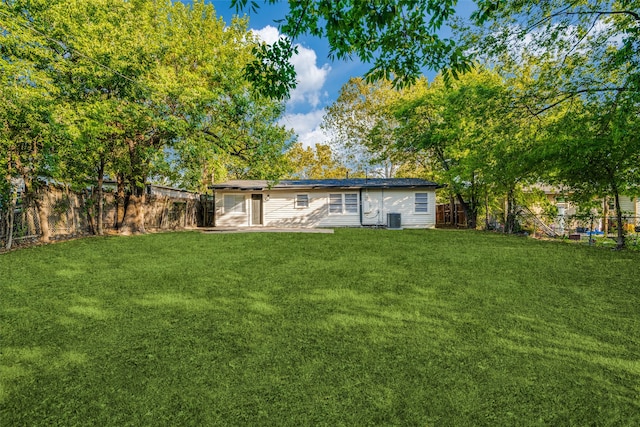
point(630, 207)
point(406, 202)
point(604, 212)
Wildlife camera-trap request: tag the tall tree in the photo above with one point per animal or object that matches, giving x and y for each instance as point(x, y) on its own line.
point(27, 129)
point(583, 58)
point(594, 149)
point(318, 162)
point(362, 124)
point(476, 136)
point(140, 82)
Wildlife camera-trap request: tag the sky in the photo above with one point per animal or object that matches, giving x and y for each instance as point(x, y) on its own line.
point(319, 78)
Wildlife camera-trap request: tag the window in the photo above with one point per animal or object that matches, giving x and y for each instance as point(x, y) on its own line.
point(351, 203)
point(335, 203)
point(422, 203)
point(343, 203)
point(234, 203)
point(302, 201)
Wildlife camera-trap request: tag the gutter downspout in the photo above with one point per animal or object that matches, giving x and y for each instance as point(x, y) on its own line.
point(381, 221)
point(360, 195)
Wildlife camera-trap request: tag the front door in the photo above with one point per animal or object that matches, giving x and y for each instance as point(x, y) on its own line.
point(256, 209)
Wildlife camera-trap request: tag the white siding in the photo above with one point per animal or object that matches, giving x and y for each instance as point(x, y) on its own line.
point(232, 219)
point(279, 209)
point(403, 202)
point(628, 204)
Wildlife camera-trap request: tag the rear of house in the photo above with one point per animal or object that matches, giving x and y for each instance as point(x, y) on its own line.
point(326, 203)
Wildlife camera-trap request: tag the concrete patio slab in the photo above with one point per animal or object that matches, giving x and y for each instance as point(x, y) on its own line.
point(214, 230)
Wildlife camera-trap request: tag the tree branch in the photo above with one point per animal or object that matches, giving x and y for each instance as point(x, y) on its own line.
point(575, 93)
point(633, 14)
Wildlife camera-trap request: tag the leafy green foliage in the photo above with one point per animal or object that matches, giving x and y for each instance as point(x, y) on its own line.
point(272, 72)
point(593, 149)
point(474, 134)
point(399, 38)
point(136, 91)
point(585, 48)
point(318, 162)
point(361, 124)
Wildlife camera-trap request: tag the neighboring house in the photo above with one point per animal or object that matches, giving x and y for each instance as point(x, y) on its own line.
point(326, 203)
point(630, 207)
point(566, 221)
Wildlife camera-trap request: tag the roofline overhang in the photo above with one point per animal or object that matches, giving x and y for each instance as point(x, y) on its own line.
point(322, 187)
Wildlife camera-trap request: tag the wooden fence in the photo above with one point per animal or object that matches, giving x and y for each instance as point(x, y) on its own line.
point(68, 214)
point(448, 215)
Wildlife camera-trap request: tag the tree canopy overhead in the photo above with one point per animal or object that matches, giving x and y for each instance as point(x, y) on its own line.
point(399, 38)
point(587, 48)
point(402, 38)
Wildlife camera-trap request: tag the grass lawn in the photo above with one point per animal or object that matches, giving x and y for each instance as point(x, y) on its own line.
point(360, 327)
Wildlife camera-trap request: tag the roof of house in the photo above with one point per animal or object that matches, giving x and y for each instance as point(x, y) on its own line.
point(350, 183)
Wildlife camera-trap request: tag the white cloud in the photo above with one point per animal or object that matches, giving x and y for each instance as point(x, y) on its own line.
point(311, 78)
point(307, 127)
point(268, 34)
point(308, 93)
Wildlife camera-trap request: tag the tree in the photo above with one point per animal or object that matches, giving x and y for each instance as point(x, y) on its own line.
point(318, 162)
point(402, 38)
point(593, 148)
point(583, 60)
point(578, 45)
point(362, 124)
point(145, 89)
point(476, 137)
point(27, 128)
point(433, 123)
point(399, 38)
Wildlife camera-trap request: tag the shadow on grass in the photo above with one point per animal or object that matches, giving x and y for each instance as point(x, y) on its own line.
point(299, 331)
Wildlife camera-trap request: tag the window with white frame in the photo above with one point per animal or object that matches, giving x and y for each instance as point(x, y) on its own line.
point(335, 203)
point(302, 201)
point(422, 203)
point(351, 203)
point(234, 203)
point(343, 203)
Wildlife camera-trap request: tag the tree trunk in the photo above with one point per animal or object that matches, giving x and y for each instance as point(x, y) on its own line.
point(10, 218)
point(605, 216)
point(453, 212)
point(43, 215)
point(100, 200)
point(510, 226)
point(88, 211)
point(120, 203)
point(486, 211)
point(133, 222)
point(619, 220)
point(469, 211)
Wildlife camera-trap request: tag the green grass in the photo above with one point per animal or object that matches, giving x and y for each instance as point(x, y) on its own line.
point(362, 327)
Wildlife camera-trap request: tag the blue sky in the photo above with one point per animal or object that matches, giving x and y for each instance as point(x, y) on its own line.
point(319, 78)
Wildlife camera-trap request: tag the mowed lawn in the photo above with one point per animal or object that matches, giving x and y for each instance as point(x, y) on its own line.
point(360, 327)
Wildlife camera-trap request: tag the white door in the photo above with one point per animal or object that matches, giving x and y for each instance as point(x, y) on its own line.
point(372, 207)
